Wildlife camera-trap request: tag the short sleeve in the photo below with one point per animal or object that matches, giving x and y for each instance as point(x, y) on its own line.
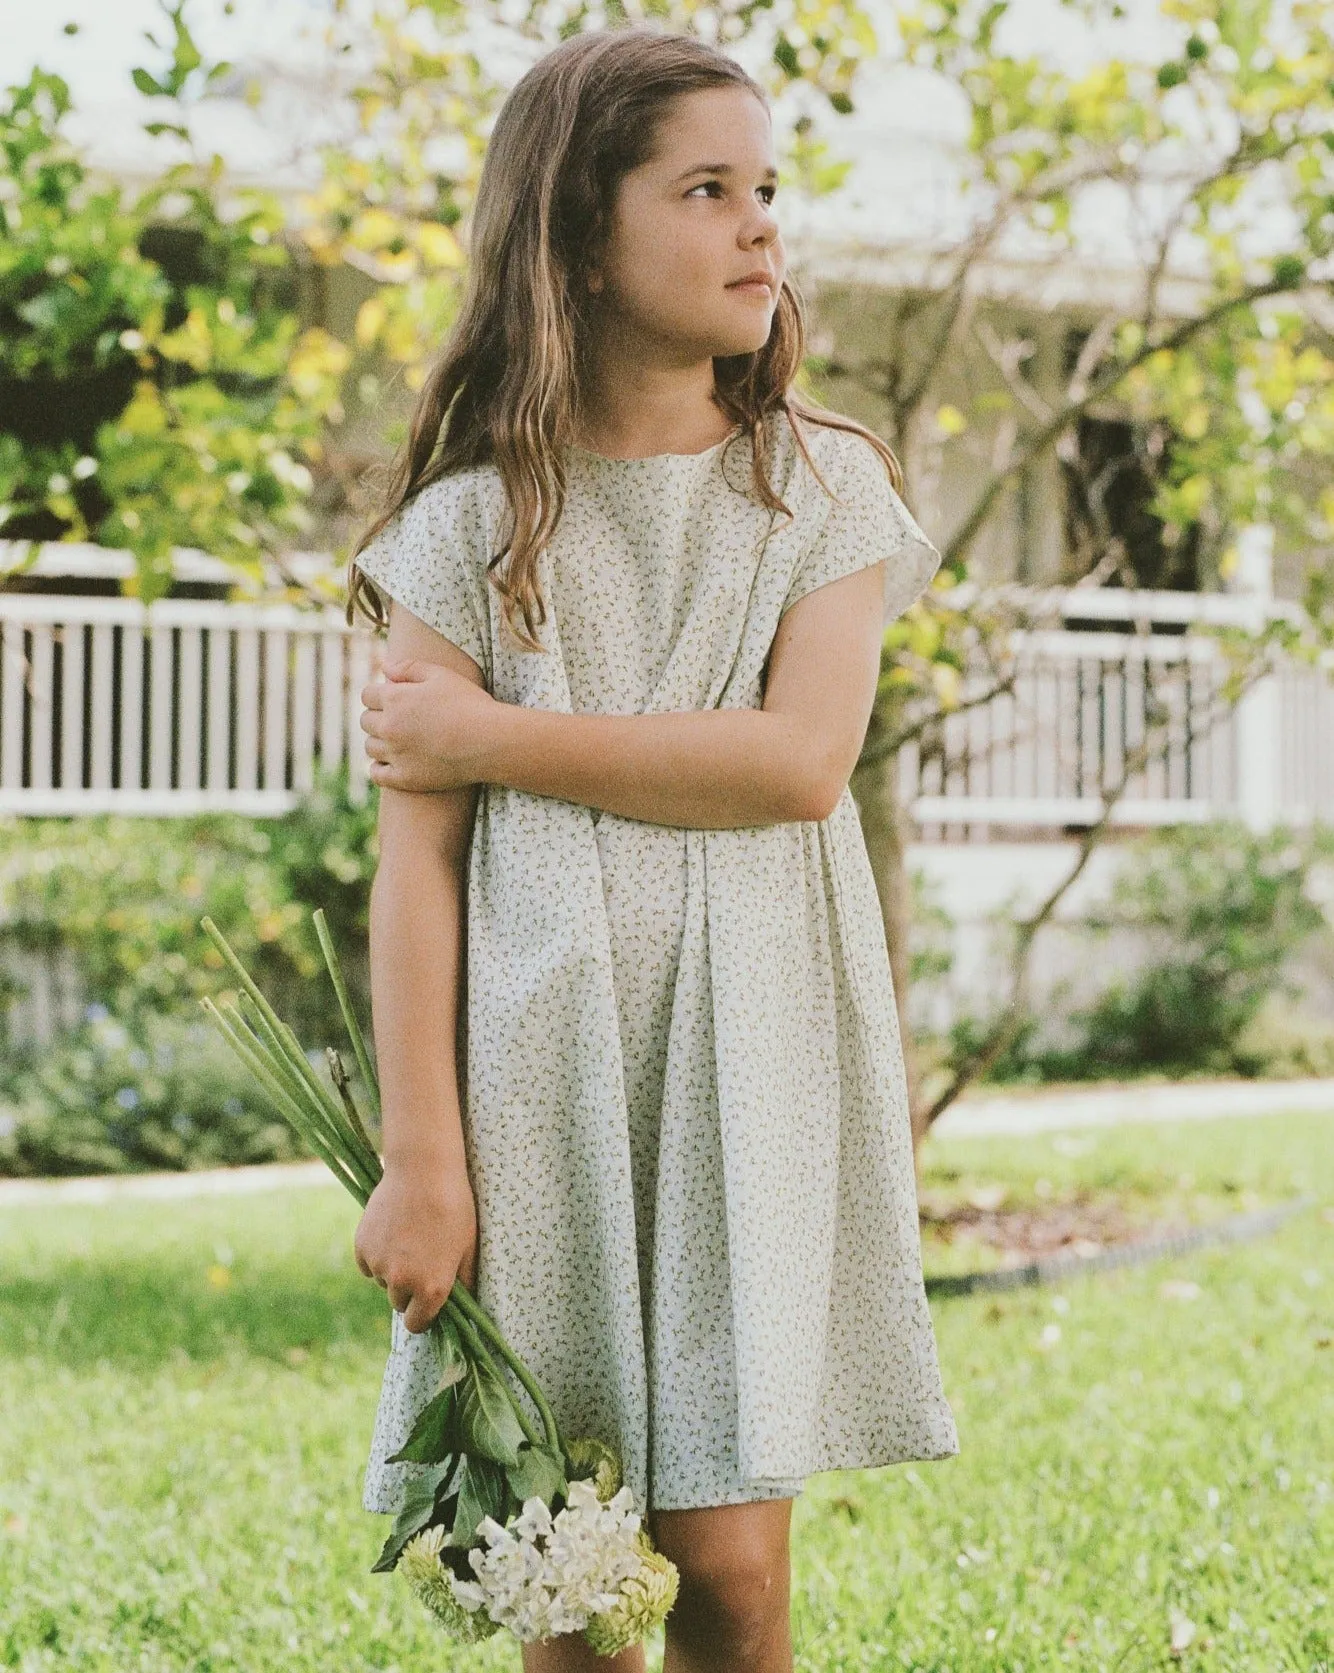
point(432, 558)
point(868, 522)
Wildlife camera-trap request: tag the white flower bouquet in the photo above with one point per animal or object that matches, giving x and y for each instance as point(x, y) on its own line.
point(508, 1523)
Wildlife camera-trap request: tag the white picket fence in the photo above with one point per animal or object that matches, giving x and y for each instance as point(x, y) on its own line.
point(1044, 756)
point(183, 706)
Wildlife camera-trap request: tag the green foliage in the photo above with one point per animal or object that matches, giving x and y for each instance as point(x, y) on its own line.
point(164, 1093)
point(124, 896)
point(156, 386)
point(1018, 1061)
point(1225, 910)
point(1224, 913)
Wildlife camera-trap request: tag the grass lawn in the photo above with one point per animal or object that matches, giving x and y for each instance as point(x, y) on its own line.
point(187, 1388)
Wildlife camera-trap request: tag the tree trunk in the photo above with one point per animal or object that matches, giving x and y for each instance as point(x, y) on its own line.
point(875, 788)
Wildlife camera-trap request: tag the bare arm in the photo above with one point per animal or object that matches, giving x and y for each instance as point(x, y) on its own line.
point(416, 914)
point(419, 1229)
point(718, 768)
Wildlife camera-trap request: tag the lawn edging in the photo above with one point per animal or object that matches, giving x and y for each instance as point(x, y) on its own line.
point(1236, 1228)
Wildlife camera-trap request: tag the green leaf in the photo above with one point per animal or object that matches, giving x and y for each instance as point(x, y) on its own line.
point(453, 1360)
point(538, 1471)
point(482, 1492)
point(488, 1423)
point(418, 1507)
point(435, 1433)
point(148, 84)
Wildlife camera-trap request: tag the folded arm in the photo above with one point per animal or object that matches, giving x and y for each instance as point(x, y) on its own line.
point(719, 768)
point(707, 769)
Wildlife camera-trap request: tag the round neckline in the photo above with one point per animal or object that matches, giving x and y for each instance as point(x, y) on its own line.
point(656, 458)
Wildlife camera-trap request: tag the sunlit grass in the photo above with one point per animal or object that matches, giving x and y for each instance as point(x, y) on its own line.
point(187, 1389)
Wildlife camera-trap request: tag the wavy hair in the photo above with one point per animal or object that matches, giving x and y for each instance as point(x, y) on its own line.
point(505, 388)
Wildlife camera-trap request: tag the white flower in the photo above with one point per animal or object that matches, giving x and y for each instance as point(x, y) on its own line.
point(544, 1575)
point(535, 1519)
point(582, 1496)
point(468, 1592)
point(492, 1532)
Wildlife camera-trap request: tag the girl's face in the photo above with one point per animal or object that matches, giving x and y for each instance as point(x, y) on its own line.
point(689, 224)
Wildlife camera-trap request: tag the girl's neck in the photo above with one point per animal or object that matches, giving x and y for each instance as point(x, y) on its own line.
point(624, 442)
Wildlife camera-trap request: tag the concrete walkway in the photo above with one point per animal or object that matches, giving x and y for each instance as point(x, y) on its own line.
point(1039, 1111)
point(1045, 1110)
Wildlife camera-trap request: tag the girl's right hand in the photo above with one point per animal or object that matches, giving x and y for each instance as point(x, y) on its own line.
point(416, 1235)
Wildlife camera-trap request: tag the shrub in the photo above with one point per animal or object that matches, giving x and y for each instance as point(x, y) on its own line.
point(125, 897)
point(165, 1092)
point(156, 386)
point(1223, 914)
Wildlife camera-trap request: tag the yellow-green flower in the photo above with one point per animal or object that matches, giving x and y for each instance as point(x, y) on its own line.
point(419, 1564)
point(644, 1602)
point(590, 1458)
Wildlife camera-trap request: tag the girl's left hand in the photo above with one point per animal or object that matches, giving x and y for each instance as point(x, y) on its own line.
point(425, 727)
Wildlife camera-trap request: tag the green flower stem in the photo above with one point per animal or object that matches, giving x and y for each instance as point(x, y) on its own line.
point(252, 1055)
point(485, 1325)
point(319, 1113)
point(339, 1073)
point(317, 1125)
point(285, 1053)
point(331, 1105)
point(278, 1062)
point(287, 1043)
point(349, 1016)
point(279, 1059)
point(472, 1341)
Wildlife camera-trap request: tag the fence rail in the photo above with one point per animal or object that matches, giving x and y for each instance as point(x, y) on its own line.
point(181, 706)
point(188, 705)
point(1085, 705)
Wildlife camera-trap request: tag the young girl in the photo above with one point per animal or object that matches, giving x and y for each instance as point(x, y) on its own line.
point(641, 1073)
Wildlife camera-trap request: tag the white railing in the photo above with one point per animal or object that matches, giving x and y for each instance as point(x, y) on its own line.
point(182, 706)
point(1085, 701)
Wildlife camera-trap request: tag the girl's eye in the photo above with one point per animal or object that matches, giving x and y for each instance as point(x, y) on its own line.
point(771, 191)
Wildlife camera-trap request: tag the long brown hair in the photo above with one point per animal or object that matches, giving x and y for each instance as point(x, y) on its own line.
point(505, 388)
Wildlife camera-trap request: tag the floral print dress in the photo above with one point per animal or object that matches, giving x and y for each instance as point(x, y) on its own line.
point(681, 1079)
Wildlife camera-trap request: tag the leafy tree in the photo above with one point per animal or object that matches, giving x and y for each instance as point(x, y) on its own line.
point(156, 384)
point(1224, 380)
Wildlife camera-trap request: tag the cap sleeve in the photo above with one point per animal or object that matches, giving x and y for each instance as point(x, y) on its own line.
point(868, 522)
point(432, 556)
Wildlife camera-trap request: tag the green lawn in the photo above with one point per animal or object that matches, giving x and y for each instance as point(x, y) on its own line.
point(186, 1393)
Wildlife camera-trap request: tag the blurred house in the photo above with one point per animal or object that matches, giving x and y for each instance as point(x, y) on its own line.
point(200, 702)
